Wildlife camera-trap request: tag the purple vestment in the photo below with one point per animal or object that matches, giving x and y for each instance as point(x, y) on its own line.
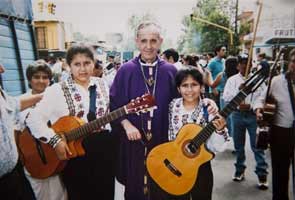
point(129, 84)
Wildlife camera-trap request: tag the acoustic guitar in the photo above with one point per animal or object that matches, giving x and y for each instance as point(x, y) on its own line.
point(174, 165)
point(41, 160)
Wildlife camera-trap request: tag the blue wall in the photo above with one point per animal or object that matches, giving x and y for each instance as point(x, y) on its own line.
point(16, 52)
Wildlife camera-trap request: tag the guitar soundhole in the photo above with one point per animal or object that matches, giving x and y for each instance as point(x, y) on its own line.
point(190, 149)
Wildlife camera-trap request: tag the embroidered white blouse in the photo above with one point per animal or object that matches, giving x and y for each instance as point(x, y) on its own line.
point(53, 106)
point(179, 116)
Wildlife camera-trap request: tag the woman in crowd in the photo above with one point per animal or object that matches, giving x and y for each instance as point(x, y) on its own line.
point(90, 176)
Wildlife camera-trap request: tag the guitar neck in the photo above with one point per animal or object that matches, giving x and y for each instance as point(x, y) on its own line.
point(94, 125)
point(210, 128)
point(249, 86)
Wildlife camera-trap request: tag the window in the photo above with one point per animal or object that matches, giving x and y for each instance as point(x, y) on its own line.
point(41, 37)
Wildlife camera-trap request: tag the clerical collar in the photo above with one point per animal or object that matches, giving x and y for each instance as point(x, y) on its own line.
point(143, 63)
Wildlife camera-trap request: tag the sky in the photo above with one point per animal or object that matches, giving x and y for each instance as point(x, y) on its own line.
point(98, 17)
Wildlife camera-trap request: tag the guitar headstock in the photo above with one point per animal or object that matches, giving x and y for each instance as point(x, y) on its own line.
point(141, 104)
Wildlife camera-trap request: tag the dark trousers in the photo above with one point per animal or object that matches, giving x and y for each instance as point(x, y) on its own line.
point(92, 176)
point(15, 186)
point(282, 150)
point(202, 190)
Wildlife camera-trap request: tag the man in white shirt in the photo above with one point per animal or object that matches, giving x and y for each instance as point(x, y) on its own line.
point(244, 118)
point(282, 130)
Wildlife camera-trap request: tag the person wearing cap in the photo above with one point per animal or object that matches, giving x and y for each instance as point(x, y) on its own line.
point(244, 119)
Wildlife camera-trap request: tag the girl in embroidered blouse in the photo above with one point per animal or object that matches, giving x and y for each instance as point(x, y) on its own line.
point(90, 176)
point(190, 108)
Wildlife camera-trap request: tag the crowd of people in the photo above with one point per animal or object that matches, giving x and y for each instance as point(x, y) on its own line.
point(186, 89)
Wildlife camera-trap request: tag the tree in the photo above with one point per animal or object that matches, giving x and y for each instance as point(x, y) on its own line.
point(201, 37)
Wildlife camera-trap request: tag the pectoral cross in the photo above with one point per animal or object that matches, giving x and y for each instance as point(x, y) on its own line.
point(149, 136)
point(150, 81)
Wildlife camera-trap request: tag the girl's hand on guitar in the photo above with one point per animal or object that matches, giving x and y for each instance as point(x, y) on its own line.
point(212, 107)
point(219, 122)
point(62, 150)
point(131, 131)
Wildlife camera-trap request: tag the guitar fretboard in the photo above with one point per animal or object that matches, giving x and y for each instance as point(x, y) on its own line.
point(210, 128)
point(250, 86)
point(88, 128)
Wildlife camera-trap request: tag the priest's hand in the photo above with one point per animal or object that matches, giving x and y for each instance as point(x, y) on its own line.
point(131, 131)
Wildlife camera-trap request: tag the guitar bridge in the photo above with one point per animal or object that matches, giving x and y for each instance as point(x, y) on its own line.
point(172, 168)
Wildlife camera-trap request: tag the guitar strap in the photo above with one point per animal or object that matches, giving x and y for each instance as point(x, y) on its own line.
point(292, 99)
point(205, 113)
point(92, 105)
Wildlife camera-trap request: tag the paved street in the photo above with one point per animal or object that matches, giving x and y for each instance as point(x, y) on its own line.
point(224, 187)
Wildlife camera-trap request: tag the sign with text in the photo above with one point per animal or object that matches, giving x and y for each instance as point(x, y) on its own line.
point(284, 33)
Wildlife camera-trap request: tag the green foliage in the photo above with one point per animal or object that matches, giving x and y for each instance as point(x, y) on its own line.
point(211, 35)
point(245, 29)
point(202, 37)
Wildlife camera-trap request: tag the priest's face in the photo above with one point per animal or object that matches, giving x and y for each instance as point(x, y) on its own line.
point(148, 42)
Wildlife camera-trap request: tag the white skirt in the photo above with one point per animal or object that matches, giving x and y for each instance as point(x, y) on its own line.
point(50, 188)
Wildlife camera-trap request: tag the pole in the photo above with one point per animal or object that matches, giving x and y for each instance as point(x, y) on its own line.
point(236, 17)
point(253, 40)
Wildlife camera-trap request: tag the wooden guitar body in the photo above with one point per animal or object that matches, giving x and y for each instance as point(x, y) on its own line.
point(173, 166)
point(50, 165)
point(41, 160)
